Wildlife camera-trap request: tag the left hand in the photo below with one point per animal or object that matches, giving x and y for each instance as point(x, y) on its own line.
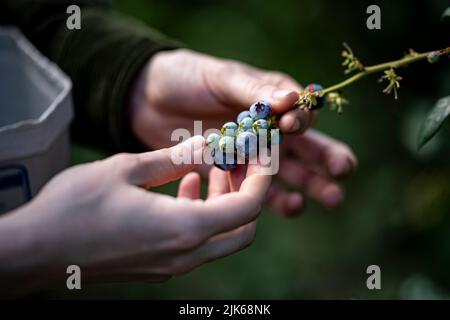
point(180, 86)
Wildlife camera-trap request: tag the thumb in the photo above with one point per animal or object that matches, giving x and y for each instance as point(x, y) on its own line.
point(158, 167)
point(241, 90)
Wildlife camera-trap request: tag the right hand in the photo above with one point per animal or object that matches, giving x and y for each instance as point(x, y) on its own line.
point(97, 217)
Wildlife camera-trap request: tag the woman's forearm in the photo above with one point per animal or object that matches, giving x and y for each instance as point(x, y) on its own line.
point(25, 254)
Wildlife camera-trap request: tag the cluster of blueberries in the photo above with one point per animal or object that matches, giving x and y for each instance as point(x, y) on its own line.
point(254, 129)
point(242, 139)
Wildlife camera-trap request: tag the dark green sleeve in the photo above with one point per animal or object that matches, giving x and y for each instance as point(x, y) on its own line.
point(102, 59)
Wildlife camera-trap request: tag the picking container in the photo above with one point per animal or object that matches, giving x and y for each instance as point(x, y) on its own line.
point(35, 113)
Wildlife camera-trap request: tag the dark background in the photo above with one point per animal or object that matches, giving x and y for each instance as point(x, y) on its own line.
point(398, 204)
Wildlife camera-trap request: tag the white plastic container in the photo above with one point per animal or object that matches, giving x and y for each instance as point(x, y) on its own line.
point(35, 113)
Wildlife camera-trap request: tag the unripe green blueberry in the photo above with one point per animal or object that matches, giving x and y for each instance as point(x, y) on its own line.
point(212, 141)
point(260, 124)
point(229, 129)
point(246, 124)
point(226, 144)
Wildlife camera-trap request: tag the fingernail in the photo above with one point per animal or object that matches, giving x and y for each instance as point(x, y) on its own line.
point(280, 94)
point(295, 126)
point(340, 167)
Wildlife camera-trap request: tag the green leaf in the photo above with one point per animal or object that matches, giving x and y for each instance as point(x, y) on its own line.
point(446, 13)
point(433, 122)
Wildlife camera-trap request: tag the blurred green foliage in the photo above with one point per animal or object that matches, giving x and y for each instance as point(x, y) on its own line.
point(397, 213)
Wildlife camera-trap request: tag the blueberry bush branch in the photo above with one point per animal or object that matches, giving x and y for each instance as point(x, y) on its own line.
point(240, 141)
point(333, 93)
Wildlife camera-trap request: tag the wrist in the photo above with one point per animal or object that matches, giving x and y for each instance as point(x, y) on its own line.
point(26, 254)
point(138, 102)
point(149, 96)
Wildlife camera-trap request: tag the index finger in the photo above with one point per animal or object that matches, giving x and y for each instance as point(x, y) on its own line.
point(232, 210)
point(237, 176)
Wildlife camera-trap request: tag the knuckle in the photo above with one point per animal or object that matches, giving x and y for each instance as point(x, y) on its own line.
point(185, 236)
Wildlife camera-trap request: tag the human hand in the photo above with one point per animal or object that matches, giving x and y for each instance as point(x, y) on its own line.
point(98, 217)
point(314, 164)
point(180, 86)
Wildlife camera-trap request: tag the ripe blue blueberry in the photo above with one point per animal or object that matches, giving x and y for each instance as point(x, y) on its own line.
point(260, 110)
point(260, 124)
point(243, 115)
point(313, 87)
point(229, 129)
point(224, 161)
point(246, 124)
point(212, 140)
point(226, 144)
point(247, 144)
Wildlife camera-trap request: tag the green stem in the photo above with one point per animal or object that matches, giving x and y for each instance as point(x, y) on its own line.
point(411, 58)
